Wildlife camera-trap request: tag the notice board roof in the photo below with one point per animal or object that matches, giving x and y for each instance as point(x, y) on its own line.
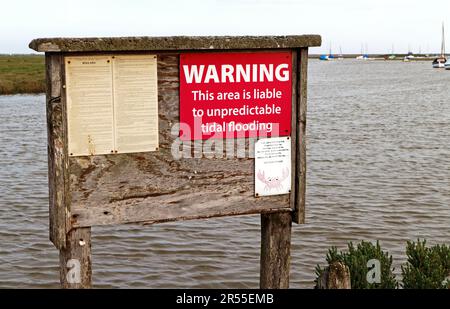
point(173, 43)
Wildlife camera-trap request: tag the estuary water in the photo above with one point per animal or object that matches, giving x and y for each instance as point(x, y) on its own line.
point(378, 169)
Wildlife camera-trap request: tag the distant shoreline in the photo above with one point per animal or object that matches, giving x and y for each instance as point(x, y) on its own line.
point(398, 57)
point(25, 74)
point(22, 74)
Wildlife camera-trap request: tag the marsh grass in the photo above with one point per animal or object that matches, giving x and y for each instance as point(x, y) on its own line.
point(22, 74)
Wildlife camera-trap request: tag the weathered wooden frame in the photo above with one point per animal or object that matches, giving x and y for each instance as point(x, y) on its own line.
point(72, 209)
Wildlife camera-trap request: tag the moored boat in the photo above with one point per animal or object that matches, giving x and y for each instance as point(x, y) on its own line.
point(447, 65)
point(341, 56)
point(441, 61)
point(364, 54)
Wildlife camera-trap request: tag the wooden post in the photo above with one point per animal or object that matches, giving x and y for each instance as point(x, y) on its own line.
point(300, 175)
point(275, 250)
point(58, 165)
point(335, 276)
point(75, 260)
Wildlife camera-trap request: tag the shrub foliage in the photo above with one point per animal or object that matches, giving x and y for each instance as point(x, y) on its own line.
point(356, 260)
point(427, 267)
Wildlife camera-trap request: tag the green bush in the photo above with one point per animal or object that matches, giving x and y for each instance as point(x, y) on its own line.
point(356, 260)
point(426, 268)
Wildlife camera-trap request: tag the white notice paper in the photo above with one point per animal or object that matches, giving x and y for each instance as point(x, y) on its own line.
point(136, 103)
point(112, 104)
point(89, 105)
point(273, 166)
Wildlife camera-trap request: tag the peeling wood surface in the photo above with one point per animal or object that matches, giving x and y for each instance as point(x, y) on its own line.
point(300, 175)
point(57, 151)
point(173, 43)
point(154, 187)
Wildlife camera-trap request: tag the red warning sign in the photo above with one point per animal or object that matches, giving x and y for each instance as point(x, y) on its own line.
point(231, 95)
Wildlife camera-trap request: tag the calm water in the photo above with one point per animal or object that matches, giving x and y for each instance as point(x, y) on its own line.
point(378, 168)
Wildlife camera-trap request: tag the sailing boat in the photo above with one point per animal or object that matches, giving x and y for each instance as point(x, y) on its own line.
point(327, 57)
point(441, 60)
point(341, 56)
point(363, 56)
point(330, 55)
point(392, 56)
point(409, 56)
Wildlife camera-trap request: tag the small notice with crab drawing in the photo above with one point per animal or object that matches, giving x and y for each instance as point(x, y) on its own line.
point(273, 166)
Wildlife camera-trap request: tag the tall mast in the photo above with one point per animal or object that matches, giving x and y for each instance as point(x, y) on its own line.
point(443, 42)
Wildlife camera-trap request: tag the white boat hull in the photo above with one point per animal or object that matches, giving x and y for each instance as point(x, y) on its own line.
point(439, 65)
point(447, 65)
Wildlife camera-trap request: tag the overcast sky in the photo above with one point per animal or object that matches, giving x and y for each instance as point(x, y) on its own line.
point(378, 24)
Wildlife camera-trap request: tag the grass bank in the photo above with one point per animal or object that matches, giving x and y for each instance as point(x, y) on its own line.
point(22, 74)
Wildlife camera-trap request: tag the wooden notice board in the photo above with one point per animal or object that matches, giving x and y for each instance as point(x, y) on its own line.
point(115, 151)
point(155, 187)
point(123, 116)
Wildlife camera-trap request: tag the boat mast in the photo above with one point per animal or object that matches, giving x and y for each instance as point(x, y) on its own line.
point(443, 41)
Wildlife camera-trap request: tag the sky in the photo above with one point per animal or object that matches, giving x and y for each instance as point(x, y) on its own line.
point(348, 24)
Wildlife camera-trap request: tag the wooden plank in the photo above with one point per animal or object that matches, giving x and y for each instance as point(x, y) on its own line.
point(152, 187)
point(294, 129)
point(75, 260)
point(299, 213)
point(275, 250)
point(176, 43)
point(155, 186)
point(57, 150)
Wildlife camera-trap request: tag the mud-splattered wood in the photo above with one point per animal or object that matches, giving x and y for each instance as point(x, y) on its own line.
point(300, 175)
point(57, 151)
point(275, 250)
point(75, 260)
point(173, 43)
point(151, 187)
point(159, 186)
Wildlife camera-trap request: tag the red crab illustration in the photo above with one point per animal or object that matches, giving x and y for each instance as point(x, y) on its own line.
point(273, 182)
